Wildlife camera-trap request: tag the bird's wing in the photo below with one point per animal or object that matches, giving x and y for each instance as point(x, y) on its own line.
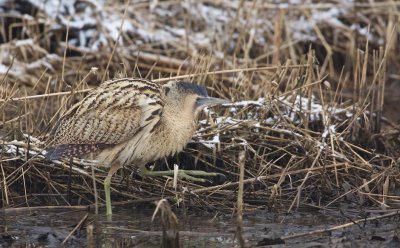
point(113, 113)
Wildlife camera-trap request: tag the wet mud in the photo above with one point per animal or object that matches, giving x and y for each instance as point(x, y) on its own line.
point(135, 228)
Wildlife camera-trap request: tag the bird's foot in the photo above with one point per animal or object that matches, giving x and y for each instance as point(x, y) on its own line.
point(191, 175)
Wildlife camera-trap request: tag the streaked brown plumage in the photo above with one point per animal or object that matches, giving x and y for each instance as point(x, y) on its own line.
point(131, 121)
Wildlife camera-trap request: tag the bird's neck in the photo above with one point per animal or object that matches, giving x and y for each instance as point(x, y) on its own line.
point(180, 123)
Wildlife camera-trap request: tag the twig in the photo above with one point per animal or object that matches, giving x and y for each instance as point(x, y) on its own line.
point(338, 227)
point(116, 41)
point(253, 180)
point(41, 208)
point(75, 228)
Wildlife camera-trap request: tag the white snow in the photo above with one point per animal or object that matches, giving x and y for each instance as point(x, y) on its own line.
point(211, 144)
point(163, 23)
point(292, 108)
point(25, 42)
point(259, 102)
point(19, 67)
point(3, 69)
point(331, 130)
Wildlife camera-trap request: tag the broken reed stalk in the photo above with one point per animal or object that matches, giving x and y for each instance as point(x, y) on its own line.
point(169, 222)
point(239, 204)
point(96, 198)
point(69, 194)
point(89, 236)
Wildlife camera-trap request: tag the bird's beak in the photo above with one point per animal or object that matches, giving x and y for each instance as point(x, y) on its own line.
point(210, 101)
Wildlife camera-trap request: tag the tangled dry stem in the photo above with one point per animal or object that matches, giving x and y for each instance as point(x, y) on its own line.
point(314, 132)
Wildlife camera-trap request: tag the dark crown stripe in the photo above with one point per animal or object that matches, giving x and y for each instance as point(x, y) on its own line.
point(192, 88)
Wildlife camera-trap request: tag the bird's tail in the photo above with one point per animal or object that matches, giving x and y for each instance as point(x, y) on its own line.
point(72, 150)
point(54, 153)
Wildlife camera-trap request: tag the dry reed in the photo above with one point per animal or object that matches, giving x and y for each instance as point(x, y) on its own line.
point(312, 123)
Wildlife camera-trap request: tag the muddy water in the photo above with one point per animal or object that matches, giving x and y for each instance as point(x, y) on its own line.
point(134, 228)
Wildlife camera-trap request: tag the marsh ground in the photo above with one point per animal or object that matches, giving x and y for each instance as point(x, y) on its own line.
point(315, 91)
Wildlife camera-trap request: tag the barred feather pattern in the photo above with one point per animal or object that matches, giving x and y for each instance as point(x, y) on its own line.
point(109, 115)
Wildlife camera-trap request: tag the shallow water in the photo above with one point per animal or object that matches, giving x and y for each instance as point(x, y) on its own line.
point(134, 228)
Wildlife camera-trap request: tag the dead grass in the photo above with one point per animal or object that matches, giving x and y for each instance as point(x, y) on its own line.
point(315, 132)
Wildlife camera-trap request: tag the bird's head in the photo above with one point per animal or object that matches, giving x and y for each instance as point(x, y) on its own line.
point(188, 96)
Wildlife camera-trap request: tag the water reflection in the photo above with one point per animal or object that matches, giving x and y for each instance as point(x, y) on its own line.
point(134, 228)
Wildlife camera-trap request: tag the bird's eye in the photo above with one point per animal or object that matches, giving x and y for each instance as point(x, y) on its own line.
point(166, 90)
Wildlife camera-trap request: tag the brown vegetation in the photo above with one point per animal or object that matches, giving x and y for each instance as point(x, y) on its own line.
point(309, 106)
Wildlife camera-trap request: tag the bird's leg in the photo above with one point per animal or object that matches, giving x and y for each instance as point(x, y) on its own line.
point(182, 174)
point(107, 184)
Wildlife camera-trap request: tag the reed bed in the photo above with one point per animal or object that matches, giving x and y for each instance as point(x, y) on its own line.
point(307, 83)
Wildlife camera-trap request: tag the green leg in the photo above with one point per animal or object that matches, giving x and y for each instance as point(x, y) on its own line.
point(107, 183)
point(182, 174)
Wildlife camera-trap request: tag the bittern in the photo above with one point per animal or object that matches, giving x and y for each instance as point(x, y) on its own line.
point(131, 121)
